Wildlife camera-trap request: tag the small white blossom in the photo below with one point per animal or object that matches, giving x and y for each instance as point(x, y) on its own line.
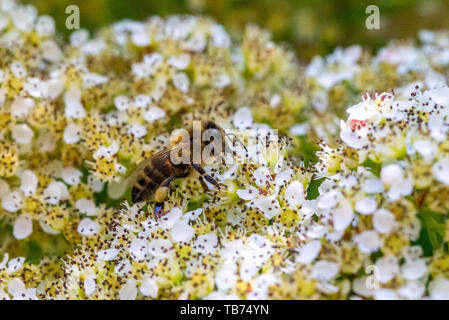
point(88, 227)
point(86, 206)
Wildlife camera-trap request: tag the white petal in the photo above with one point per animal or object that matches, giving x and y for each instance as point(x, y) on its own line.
point(366, 205)
point(52, 193)
point(90, 284)
point(71, 176)
point(22, 133)
point(149, 288)
point(170, 218)
point(122, 102)
point(181, 231)
point(413, 270)
point(108, 254)
point(139, 249)
point(391, 173)
point(88, 227)
point(181, 81)
point(128, 291)
point(15, 264)
point(180, 62)
point(439, 288)
point(29, 182)
point(206, 243)
point(23, 226)
point(368, 241)
point(243, 118)
point(73, 107)
point(21, 107)
point(12, 201)
point(154, 113)
point(294, 194)
point(247, 194)
point(325, 270)
point(160, 248)
point(86, 206)
point(72, 133)
point(384, 221)
point(309, 252)
point(441, 171)
point(262, 176)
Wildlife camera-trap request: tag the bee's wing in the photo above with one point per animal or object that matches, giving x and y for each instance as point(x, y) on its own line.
point(161, 155)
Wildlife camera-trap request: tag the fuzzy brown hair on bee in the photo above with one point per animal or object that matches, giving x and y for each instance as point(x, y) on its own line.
point(152, 177)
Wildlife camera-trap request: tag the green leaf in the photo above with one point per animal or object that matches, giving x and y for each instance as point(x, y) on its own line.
point(312, 189)
point(375, 167)
point(433, 230)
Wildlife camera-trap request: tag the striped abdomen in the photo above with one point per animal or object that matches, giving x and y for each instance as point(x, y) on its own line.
point(158, 171)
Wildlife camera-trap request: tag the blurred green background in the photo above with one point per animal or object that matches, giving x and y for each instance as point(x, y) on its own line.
point(309, 26)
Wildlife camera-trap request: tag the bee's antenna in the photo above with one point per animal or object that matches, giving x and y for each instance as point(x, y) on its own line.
point(232, 134)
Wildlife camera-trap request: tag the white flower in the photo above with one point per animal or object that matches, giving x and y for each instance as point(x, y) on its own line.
point(161, 248)
point(128, 291)
point(354, 138)
point(368, 241)
point(20, 107)
point(294, 194)
point(29, 182)
point(181, 81)
point(86, 206)
point(73, 107)
point(17, 289)
point(206, 243)
point(24, 17)
point(90, 284)
point(23, 226)
point(180, 62)
point(149, 288)
point(139, 249)
point(88, 227)
point(439, 288)
point(15, 264)
point(12, 201)
point(243, 118)
point(309, 252)
point(441, 171)
point(247, 194)
point(34, 87)
point(384, 221)
point(413, 270)
point(108, 254)
point(72, 133)
point(181, 231)
point(122, 103)
point(366, 205)
point(325, 270)
point(391, 173)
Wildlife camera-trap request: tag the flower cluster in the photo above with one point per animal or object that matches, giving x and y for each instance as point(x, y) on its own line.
point(363, 215)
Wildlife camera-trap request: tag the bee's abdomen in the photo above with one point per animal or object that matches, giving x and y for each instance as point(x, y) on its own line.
point(147, 182)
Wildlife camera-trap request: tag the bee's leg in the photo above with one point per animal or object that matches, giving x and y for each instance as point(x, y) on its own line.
point(204, 175)
point(203, 184)
point(160, 196)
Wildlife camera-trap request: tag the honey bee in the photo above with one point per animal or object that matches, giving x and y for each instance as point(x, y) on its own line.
point(152, 177)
